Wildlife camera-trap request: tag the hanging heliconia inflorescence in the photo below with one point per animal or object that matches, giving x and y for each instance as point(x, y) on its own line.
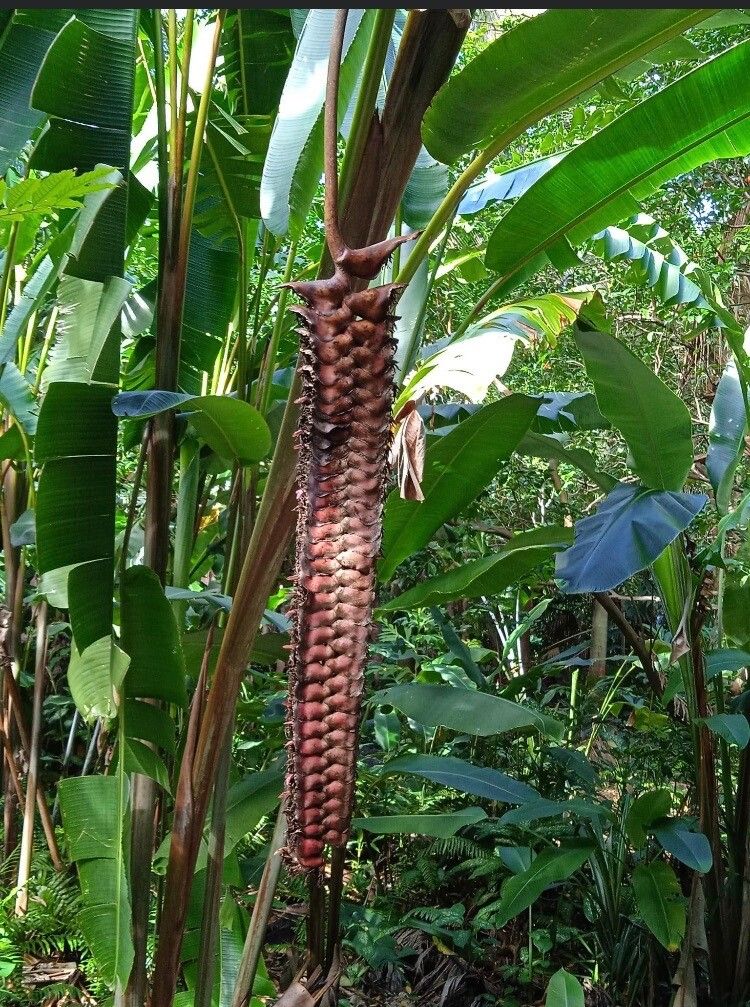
point(343, 439)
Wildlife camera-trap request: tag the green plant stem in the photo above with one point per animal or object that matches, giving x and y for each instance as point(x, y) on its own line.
point(256, 931)
point(8, 263)
point(415, 342)
point(187, 48)
point(32, 775)
point(209, 936)
point(265, 380)
point(718, 688)
point(133, 503)
point(161, 135)
point(191, 184)
point(573, 704)
point(44, 353)
point(187, 503)
point(174, 122)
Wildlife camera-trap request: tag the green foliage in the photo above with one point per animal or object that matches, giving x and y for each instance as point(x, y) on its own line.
point(660, 902)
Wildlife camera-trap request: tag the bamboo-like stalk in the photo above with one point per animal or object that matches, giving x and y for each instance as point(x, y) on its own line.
point(214, 875)
point(66, 759)
point(32, 776)
point(171, 297)
point(14, 697)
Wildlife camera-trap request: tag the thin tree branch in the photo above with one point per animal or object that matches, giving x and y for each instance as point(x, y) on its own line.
point(634, 639)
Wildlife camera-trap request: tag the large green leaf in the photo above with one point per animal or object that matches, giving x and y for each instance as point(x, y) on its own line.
point(25, 42)
point(665, 271)
point(564, 990)
point(701, 117)
point(541, 808)
point(424, 192)
point(91, 114)
point(498, 187)
point(471, 363)
point(89, 313)
point(469, 779)
point(17, 398)
point(652, 419)
point(732, 727)
point(489, 575)
point(249, 801)
point(150, 636)
point(660, 902)
point(60, 190)
point(94, 676)
point(540, 66)
point(438, 826)
point(548, 868)
point(95, 818)
point(726, 435)
point(630, 529)
point(644, 811)
point(230, 426)
point(258, 46)
point(536, 445)
point(465, 710)
point(294, 162)
point(690, 848)
point(457, 468)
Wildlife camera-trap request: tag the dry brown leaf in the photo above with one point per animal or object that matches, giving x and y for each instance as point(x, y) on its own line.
point(295, 996)
point(409, 453)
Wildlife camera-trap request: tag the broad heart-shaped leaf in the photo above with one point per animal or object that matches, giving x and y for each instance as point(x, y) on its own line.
point(487, 576)
point(451, 772)
point(438, 826)
point(690, 848)
point(653, 420)
point(294, 161)
point(465, 710)
point(537, 67)
point(564, 990)
point(457, 468)
point(703, 116)
point(150, 636)
point(660, 902)
point(732, 727)
point(644, 811)
point(231, 427)
point(726, 432)
point(548, 868)
point(631, 528)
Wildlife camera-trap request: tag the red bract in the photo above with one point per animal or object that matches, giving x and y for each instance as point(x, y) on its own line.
point(343, 440)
